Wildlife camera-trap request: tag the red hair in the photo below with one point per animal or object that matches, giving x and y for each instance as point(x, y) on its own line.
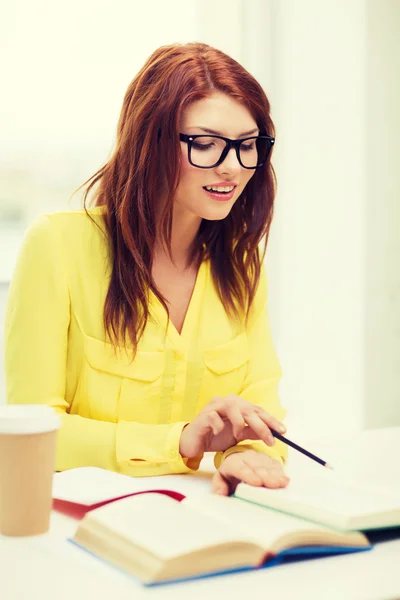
point(146, 160)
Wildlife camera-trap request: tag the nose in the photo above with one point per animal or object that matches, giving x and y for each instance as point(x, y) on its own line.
point(230, 165)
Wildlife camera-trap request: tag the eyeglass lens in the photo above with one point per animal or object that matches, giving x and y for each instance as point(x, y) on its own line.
point(206, 151)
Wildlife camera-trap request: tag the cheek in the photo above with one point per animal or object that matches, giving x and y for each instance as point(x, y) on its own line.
point(189, 175)
point(186, 167)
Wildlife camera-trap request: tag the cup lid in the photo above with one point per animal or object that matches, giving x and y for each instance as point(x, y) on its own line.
point(28, 418)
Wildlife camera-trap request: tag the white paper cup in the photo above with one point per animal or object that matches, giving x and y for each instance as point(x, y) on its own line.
point(28, 435)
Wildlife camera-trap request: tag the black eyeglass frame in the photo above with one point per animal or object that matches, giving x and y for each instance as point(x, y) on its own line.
point(189, 139)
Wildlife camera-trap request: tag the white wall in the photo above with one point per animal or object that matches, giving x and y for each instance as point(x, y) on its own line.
point(67, 68)
point(383, 215)
point(320, 105)
point(335, 252)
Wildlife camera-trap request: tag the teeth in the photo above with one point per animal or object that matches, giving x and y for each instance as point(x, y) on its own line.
point(220, 188)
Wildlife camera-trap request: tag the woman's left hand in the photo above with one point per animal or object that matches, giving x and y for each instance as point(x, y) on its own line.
point(250, 467)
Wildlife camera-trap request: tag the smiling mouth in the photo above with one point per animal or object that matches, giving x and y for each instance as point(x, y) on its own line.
point(228, 189)
point(220, 195)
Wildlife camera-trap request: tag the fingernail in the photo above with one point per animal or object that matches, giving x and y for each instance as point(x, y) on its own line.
point(283, 480)
point(271, 440)
point(282, 428)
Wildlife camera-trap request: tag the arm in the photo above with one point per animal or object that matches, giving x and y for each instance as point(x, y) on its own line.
point(263, 375)
point(36, 346)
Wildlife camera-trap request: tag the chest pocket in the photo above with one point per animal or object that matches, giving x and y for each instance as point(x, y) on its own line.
point(226, 367)
point(114, 387)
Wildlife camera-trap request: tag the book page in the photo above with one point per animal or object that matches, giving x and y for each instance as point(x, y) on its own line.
point(257, 523)
point(91, 485)
point(368, 458)
point(161, 525)
point(325, 498)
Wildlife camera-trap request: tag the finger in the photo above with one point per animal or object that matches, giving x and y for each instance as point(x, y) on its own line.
point(259, 459)
point(247, 434)
point(220, 485)
point(242, 472)
point(270, 420)
point(259, 426)
point(272, 478)
point(215, 422)
point(269, 470)
point(232, 412)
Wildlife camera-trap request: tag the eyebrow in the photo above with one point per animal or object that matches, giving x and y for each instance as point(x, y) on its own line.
point(211, 131)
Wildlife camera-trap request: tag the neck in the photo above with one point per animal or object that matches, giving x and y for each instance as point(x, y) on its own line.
point(185, 227)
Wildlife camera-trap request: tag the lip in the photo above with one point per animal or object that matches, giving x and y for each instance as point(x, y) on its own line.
point(222, 183)
point(219, 197)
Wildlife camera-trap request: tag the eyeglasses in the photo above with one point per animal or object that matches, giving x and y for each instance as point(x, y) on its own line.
point(208, 151)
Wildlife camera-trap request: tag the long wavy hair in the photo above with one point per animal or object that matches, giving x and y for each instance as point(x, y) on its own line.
point(146, 160)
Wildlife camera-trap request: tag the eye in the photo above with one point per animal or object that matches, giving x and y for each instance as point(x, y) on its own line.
point(248, 146)
point(200, 146)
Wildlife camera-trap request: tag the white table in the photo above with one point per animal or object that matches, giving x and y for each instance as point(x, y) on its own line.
point(50, 568)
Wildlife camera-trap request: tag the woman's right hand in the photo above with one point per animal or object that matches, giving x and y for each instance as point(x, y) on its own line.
point(223, 423)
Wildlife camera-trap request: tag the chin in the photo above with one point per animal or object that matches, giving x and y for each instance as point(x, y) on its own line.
point(216, 214)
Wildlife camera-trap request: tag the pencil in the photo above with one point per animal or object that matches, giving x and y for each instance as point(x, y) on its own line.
point(280, 437)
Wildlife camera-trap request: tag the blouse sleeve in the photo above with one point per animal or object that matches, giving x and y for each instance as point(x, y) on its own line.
point(263, 375)
point(36, 346)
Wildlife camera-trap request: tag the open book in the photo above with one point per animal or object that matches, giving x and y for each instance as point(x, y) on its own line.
point(318, 495)
point(158, 539)
point(185, 531)
point(77, 491)
point(336, 502)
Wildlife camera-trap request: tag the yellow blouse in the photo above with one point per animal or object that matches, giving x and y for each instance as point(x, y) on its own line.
point(120, 414)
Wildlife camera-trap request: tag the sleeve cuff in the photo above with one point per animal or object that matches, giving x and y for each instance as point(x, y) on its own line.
point(153, 444)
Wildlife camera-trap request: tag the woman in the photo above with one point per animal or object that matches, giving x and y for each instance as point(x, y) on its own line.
point(143, 320)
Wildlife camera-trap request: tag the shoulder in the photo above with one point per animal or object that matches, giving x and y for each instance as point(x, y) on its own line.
point(68, 228)
point(75, 220)
point(70, 237)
